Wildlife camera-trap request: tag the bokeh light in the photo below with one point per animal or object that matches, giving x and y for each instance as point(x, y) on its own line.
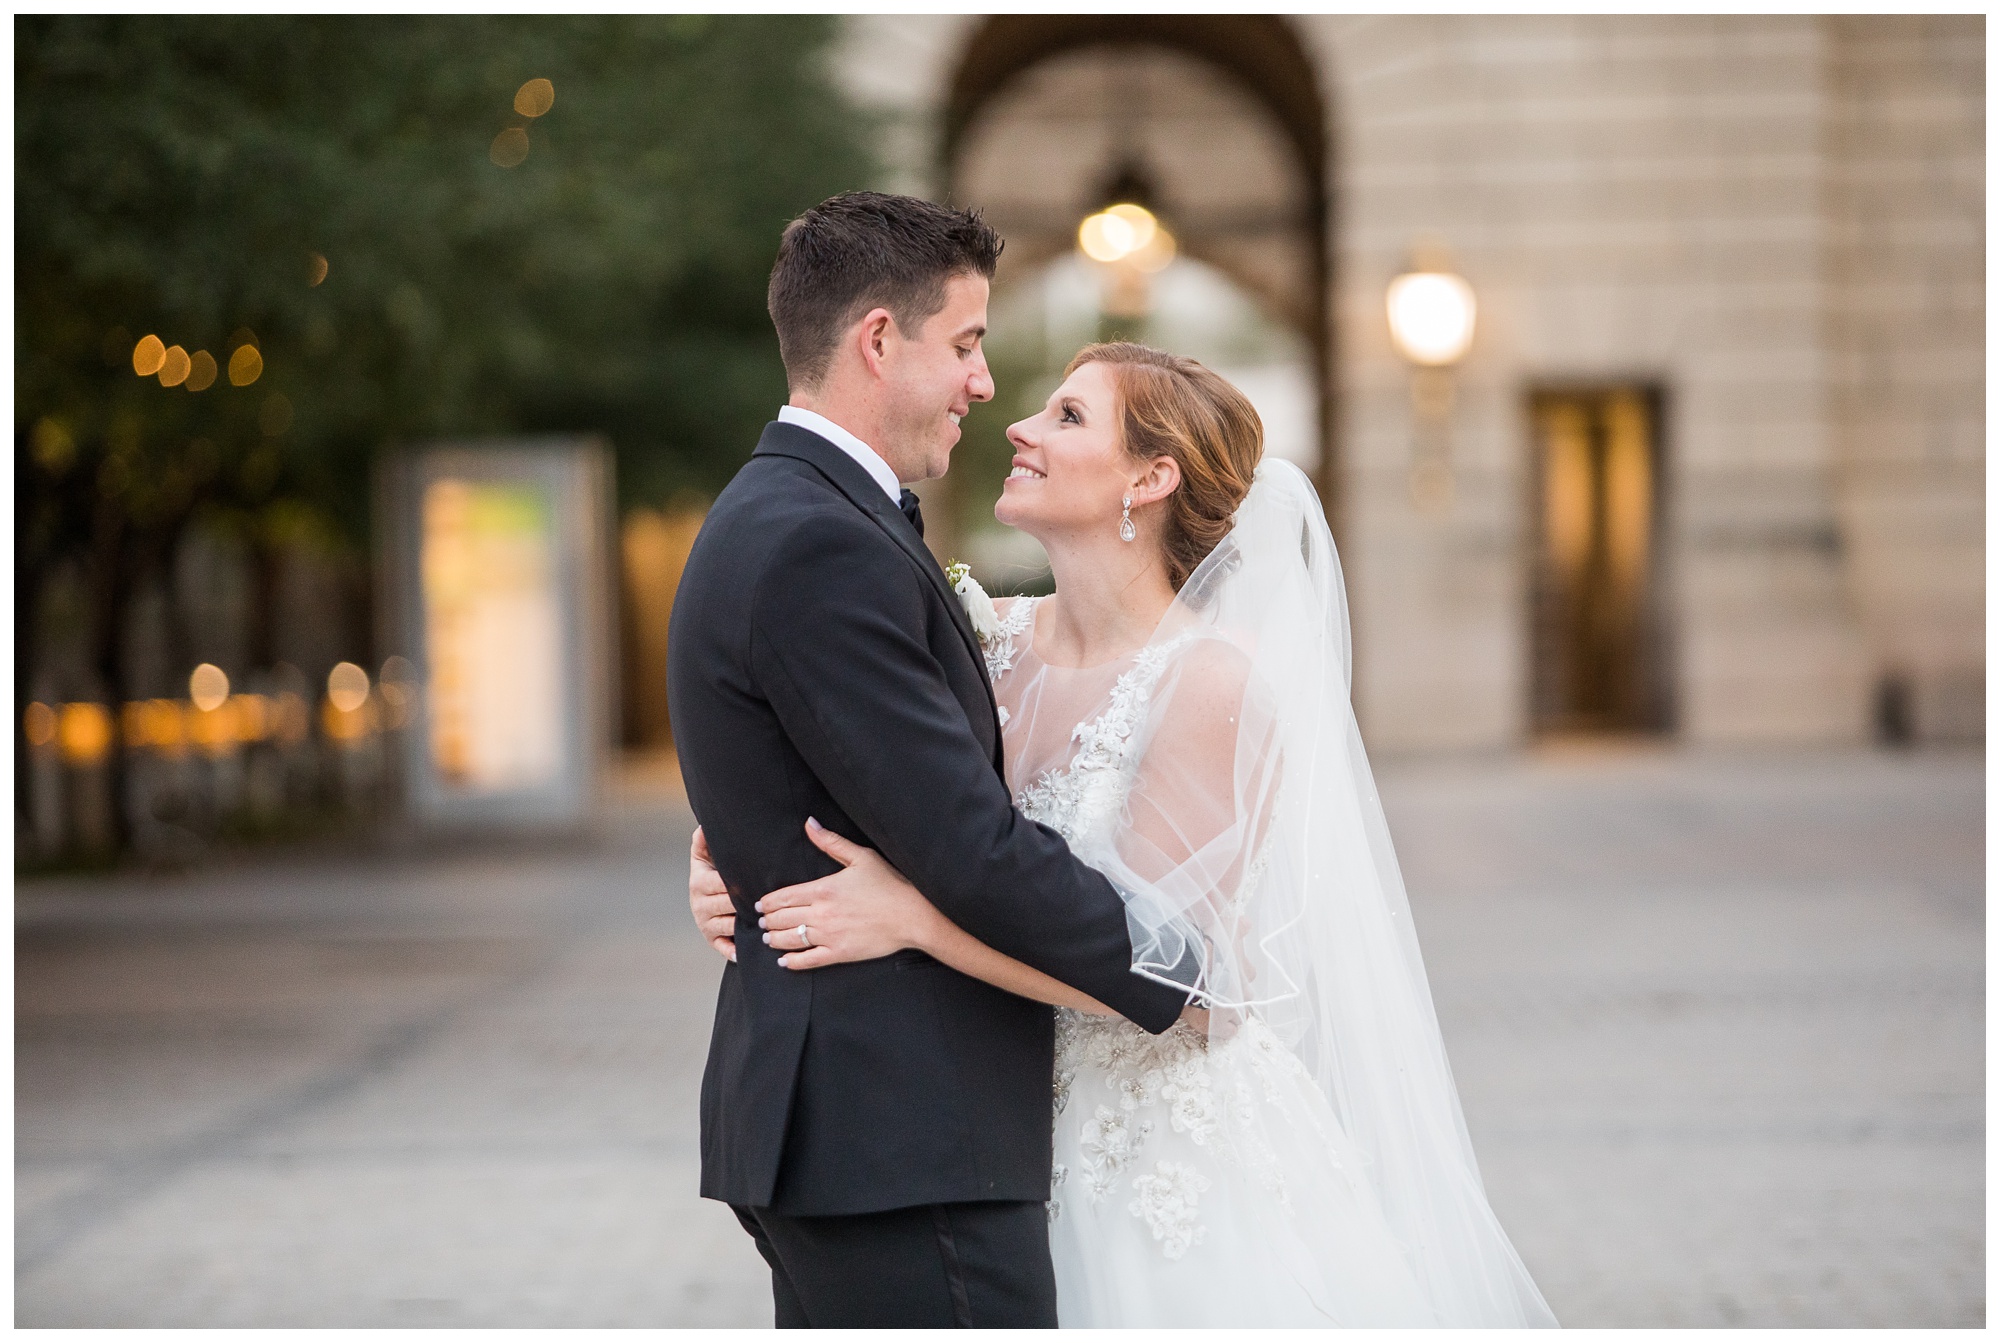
point(201, 371)
point(535, 97)
point(175, 367)
point(347, 687)
point(213, 727)
point(398, 687)
point(148, 355)
point(1126, 232)
point(84, 733)
point(245, 366)
point(39, 723)
point(208, 686)
point(1431, 316)
point(510, 147)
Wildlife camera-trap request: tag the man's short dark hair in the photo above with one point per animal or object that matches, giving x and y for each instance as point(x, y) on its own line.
point(862, 250)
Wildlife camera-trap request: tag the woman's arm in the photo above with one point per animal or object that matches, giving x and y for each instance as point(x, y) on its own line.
point(969, 956)
point(869, 910)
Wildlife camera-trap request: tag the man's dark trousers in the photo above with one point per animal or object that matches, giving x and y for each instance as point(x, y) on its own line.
point(940, 1266)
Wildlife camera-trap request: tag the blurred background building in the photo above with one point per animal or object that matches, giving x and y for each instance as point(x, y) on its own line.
point(1675, 427)
point(1712, 464)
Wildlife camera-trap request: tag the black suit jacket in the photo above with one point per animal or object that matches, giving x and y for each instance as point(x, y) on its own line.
point(819, 665)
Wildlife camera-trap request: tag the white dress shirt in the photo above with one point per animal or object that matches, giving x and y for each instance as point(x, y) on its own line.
point(847, 443)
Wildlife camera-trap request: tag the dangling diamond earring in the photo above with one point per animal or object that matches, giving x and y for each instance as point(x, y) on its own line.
point(1126, 531)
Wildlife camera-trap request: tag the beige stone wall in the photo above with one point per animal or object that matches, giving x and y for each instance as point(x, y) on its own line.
point(1777, 220)
point(1631, 198)
point(1906, 333)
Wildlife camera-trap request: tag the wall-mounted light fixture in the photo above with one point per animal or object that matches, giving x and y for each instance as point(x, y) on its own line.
point(1432, 313)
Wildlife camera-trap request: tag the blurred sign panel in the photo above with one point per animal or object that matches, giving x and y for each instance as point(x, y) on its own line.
point(492, 629)
point(497, 584)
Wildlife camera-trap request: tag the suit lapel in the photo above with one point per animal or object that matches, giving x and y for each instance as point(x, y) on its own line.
point(848, 476)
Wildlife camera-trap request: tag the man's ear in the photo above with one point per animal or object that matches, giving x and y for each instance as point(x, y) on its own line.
point(1161, 478)
point(872, 335)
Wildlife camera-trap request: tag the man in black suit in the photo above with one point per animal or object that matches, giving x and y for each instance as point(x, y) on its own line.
point(882, 1129)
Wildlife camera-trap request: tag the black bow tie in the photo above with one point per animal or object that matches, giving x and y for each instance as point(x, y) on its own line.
point(912, 510)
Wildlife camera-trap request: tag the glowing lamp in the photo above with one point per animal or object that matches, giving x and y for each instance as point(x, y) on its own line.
point(1431, 316)
point(1126, 233)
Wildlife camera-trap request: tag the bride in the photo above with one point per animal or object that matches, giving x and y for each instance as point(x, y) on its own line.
point(1292, 1153)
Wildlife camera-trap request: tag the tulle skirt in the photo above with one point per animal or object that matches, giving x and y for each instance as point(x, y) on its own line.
point(1203, 1184)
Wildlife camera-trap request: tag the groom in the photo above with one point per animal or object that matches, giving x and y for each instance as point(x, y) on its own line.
point(881, 1129)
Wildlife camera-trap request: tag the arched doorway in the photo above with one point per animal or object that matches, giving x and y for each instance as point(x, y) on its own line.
point(1215, 124)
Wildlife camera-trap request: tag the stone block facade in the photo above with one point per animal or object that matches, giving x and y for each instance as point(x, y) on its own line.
point(1775, 223)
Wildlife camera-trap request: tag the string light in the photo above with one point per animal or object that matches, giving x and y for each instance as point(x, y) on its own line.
point(175, 367)
point(245, 366)
point(510, 148)
point(535, 98)
point(148, 355)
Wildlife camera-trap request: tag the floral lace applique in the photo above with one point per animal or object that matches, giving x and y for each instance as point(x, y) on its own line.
point(1109, 1141)
point(1139, 1075)
point(1169, 1202)
point(1078, 798)
point(999, 646)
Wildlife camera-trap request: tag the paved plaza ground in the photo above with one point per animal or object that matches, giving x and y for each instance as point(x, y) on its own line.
point(1717, 1023)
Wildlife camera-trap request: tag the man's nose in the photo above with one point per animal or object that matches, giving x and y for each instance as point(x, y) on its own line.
point(980, 386)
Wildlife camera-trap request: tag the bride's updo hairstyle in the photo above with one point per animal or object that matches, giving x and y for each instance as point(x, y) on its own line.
point(1173, 407)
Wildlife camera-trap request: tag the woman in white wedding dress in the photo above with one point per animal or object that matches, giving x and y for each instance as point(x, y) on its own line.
point(1293, 1152)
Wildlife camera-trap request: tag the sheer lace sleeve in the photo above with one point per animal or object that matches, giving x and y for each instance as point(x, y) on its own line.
point(1195, 822)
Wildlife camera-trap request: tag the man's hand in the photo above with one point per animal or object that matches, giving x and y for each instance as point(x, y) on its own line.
point(708, 899)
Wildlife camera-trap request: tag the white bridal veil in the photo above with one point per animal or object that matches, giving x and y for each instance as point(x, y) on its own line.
point(1254, 856)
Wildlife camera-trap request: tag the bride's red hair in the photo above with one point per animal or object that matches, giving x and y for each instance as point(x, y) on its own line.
point(1174, 407)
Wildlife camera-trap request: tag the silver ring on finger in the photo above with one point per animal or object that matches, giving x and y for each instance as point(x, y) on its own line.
point(805, 938)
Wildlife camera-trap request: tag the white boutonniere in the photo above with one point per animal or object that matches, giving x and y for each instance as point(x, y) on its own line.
point(978, 606)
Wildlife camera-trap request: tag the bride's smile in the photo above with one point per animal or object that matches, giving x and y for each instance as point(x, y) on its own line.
point(1071, 474)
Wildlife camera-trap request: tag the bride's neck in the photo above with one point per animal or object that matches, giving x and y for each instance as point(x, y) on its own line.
point(1110, 596)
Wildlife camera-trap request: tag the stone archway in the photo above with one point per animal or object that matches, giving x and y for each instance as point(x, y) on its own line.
point(1218, 118)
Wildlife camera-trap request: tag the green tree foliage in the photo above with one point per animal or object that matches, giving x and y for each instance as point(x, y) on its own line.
point(175, 176)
